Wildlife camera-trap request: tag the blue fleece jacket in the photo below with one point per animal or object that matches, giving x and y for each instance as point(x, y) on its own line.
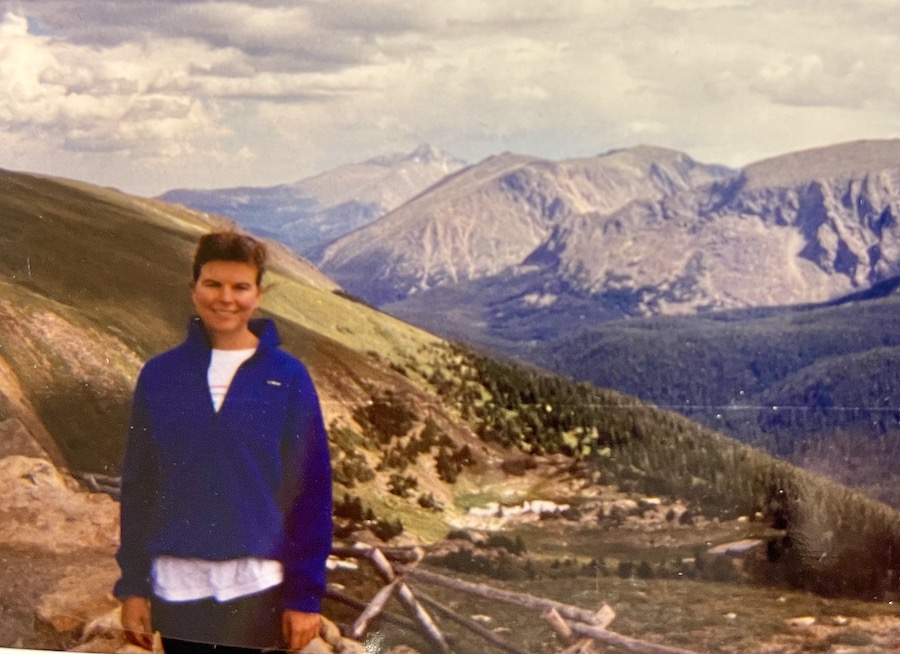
point(253, 479)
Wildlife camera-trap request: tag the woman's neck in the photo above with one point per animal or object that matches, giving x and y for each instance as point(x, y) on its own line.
point(245, 340)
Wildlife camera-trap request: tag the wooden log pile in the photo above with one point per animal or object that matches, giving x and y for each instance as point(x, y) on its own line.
point(579, 628)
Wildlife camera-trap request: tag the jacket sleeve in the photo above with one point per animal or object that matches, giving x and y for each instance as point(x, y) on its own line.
point(137, 502)
point(307, 495)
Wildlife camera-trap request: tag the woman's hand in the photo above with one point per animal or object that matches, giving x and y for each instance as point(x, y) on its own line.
point(298, 628)
point(136, 621)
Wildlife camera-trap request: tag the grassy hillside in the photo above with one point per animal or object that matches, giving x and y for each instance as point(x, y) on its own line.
point(95, 281)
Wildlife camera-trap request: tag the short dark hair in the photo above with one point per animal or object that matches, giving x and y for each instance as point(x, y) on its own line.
point(230, 246)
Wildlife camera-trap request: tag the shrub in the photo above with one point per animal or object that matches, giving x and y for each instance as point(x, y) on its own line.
point(387, 415)
point(350, 507)
point(386, 529)
point(352, 468)
point(518, 467)
point(401, 485)
point(427, 501)
point(513, 546)
point(394, 458)
point(644, 571)
point(345, 439)
point(459, 534)
point(448, 469)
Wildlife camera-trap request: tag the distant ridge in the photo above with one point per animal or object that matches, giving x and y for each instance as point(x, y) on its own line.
point(854, 159)
point(311, 212)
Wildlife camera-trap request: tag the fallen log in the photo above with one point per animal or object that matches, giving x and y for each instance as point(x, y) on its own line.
point(602, 619)
point(383, 566)
point(422, 617)
point(97, 483)
point(396, 554)
point(401, 621)
point(625, 642)
point(469, 624)
point(522, 599)
point(586, 623)
point(375, 607)
point(560, 626)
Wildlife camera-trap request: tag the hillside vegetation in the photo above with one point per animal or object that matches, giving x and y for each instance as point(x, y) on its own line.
point(834, 540)
point(782, 379)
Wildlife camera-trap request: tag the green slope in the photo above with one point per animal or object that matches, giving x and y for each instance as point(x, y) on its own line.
point(108, 274)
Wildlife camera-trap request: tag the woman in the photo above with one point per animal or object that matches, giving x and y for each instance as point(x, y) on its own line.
point(226, 486)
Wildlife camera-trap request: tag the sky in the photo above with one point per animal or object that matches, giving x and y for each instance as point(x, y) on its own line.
point(152, 95)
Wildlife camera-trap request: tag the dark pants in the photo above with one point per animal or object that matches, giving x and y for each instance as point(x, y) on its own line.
point(252, 622)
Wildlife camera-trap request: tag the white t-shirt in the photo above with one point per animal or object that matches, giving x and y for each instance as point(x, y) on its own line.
point(223, 364)
point(179, 580)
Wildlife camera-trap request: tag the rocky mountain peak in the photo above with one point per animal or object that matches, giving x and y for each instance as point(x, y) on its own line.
point(425, 153)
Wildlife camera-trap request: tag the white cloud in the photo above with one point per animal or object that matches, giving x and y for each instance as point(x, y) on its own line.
point(221, 93)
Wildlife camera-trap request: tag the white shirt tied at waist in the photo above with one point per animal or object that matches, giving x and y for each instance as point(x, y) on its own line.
point(181, 580)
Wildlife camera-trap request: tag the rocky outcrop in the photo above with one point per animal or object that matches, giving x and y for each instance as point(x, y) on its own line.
point(45, 509)
point(21, 429)
point(78, 598)
point(56, 543)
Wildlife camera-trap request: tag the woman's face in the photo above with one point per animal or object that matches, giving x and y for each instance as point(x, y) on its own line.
point(225, 296)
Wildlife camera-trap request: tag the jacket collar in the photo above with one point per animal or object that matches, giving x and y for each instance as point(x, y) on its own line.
point(263, 328)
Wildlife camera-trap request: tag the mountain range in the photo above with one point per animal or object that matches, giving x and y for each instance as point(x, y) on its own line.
point(312, 212)
point(515, 250)
point(500, 218)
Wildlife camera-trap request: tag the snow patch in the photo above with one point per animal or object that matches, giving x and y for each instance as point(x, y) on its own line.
point(540, 300)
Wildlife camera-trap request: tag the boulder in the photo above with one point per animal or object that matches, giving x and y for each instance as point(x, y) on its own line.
point(45, 509)
point(82, 594)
